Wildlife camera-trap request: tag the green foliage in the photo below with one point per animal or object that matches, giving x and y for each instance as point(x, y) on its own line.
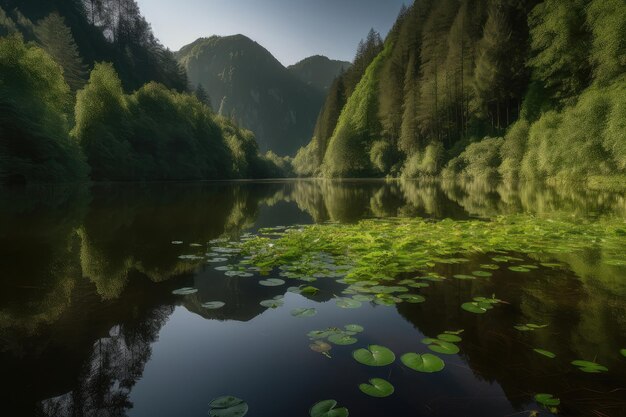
point(560, 46)
point(607, 21)
point(306, 162)
point(34, 111)
point(56, 38)
point(512, 150)
point(481, 160)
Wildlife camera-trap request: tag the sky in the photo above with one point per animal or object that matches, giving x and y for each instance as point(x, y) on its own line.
point(290, 29)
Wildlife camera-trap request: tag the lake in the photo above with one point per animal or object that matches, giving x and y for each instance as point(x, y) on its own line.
point(104, 292)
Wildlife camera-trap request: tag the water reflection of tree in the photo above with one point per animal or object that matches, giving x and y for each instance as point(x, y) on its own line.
point(115, 365)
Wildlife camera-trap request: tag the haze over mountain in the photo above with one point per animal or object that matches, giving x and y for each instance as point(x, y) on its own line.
point(319, 71)
point(248, 84)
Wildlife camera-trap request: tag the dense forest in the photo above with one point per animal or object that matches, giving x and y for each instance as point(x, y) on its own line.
point(514, 89)
point(87, 90)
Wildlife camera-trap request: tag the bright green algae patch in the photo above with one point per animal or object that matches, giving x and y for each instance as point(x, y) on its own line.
point(381, 249)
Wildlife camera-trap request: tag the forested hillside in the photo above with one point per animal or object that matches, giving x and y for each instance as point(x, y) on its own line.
point(246, 83)
point(319, 71)
point(482, 88)
point(64, 117)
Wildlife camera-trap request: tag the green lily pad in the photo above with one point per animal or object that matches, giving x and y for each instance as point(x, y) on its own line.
point(427, 362)
point(589, 367)
point(327, 408)
point(303, 312)
point(216, 260)
point(185, 291)
point(363, 298)
point(377, 387)
point(271, 282)
point(177, 242)
point(447, 337)
point(374, 355)
point(547, 400)
point(493, 267)
point(354, 328)
point(272, 303)
point(441, 346)
point(546, 353)
point(213, 305)
point(228, 406)
point(309, 290)
point(413, 298)
point(482, 274)
point(474, 307)
point(464, 277)
point(530, 327)
point(348, 303)
point(454, 332)
point(519, 269)
point(342, 339)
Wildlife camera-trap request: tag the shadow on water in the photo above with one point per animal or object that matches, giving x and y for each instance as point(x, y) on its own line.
point(86, 281)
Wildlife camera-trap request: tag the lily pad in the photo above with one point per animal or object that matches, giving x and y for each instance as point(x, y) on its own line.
point(447, 337)
point(474, 307)
point(413, 298)
point(547, 400)
point(216, 260)
point(303, 312)
point(545, 353)
point(377, 387)
point(228, 406)
point(177, 242)
point(342, 339)
point(309, 290)
point(374, 355)
point(348, 303)
point(213, 305)
point(271, 282)
point(464, 277)
point(185, 291)
point(518, 269)
point(327, 408)
point(356, 328)
point(363, 298)
point(589, 367)
point(427, 362)
point(272, 303)
point(441, 346)
point(320, 346)
point(482, 274)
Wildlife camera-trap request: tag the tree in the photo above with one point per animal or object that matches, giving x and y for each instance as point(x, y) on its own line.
point(56, 38)
point(202, 95)
point(560, 45)
point(34, 110)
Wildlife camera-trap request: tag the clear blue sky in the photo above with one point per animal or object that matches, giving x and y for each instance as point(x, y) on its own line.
point(290, 29)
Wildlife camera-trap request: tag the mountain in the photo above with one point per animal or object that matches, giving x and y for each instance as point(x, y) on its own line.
point(319, 71)
point(246, 83)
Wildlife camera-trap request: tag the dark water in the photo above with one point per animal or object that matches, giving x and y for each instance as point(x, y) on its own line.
point(89, 325)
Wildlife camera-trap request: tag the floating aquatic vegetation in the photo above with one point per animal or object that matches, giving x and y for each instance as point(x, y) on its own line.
point(363, 298)
point(213, 305)
point(441, 346)
point(547, 400)
point(377, 387)
point(545, 353)
point(374, 355)
point(328, 408)
point(195, 245)
point(190, 257)
point(177, 242)
point(348, 303)
point(358, 329)
point(274, 302)
point(451, 338)
point(412, 298)
point(342, 339)
point(303, 312)
point(217, 260)
point(518, 269)
point(309, 290)
point(482, 274)
point(589, 367)
point(228, 406)
point(271, 282)
point(530, 327)
point(493, 267)
point(185, 291)
point(464, 277)
point(480, 305)
point(322, 347)
point(427, 362)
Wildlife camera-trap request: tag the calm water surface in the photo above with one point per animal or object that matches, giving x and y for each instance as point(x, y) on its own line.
point(89, 325)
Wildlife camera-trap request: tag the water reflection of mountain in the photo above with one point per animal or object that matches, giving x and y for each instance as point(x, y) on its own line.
point(86, 277)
